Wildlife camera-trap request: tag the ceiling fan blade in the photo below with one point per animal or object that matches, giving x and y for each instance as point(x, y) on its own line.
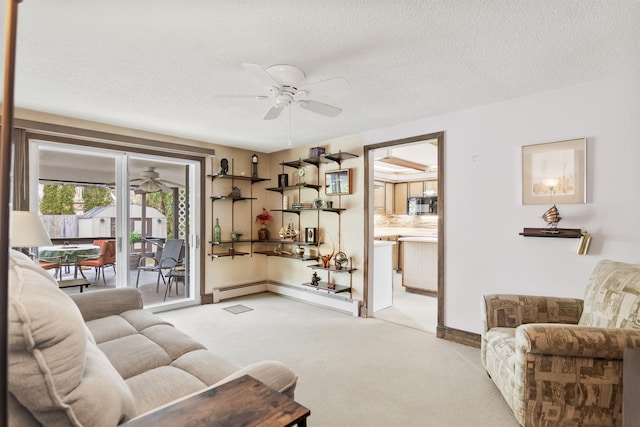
point(274, 112)
point(336, 84)
point(171, 183)
point(241, 96)
point(320, 108)
point(260, 74)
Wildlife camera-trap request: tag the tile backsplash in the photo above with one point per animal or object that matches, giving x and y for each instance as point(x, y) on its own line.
point(407, 221)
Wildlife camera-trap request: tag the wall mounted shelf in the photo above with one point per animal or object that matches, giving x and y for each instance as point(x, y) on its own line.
point(570, 233)
point(294, 187)
point(297, 211)
point(283, 255)
point(216, 246)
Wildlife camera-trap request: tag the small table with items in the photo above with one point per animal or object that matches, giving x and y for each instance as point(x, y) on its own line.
point(70, 283)
point(244, 401)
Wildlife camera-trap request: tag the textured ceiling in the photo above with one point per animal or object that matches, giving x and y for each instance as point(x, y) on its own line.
point(169, 66)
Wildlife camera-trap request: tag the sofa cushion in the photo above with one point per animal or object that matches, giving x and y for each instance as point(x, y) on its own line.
point(612, 297)
point(159, 386)
point(55, 370)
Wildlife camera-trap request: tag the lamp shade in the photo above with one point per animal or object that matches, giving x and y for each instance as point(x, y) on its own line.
point(27, 230)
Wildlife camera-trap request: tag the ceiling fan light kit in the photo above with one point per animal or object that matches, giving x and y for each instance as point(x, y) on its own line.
point(286, 85)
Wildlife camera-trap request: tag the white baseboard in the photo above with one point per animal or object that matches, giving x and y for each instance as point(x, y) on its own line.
point(314, 296)
point(238, 291)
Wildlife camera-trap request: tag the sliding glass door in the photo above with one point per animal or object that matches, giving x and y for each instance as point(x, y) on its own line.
point(144, 203)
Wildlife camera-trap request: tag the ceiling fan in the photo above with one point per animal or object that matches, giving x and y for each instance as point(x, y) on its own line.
point(286, 85)
point(151, 182)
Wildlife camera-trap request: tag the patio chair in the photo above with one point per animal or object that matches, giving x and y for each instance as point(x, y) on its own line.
point(171, 255)
point(106, 258)
point(176, 274)
point(49, 263)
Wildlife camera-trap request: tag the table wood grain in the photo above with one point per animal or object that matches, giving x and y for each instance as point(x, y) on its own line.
point(244, 401)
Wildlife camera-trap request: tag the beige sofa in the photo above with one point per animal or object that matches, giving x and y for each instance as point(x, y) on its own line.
point(100, 359)
point(558, 361)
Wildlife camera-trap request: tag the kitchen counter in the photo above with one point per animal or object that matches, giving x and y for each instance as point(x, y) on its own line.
point(420, 264)
point(404, 232)
point(377, 243)
point(418, 239)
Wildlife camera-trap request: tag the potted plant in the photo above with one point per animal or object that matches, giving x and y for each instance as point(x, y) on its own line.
point(134, 258)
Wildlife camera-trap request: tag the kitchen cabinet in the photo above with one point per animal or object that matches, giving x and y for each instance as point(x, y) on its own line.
point(420, 259)
point(416, 189)
point(379, 189)
point(431, 186)
point(396, 256)
point(401, 192)
point(382, 288)
point(388, 198)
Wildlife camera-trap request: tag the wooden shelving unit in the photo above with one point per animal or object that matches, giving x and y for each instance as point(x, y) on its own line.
point(231, 250)
point(297, 164)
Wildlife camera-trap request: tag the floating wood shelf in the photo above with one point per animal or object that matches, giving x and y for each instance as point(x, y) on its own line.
point(545, 232)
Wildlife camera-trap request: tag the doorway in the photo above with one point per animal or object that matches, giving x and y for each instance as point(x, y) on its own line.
point(405, 231)
point(141, 202)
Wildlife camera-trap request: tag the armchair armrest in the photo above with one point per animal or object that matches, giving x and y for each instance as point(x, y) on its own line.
point(98, 304)
point(575, 340)
point(511, 311)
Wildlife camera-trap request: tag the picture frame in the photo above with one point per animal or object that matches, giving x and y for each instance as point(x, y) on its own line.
point(310, 235)
point(555, 172)
point(337, 182)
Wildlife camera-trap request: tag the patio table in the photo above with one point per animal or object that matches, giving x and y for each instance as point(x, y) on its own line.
point(68, 253)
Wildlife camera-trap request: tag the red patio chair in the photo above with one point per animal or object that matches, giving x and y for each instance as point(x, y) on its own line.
point(106, 258)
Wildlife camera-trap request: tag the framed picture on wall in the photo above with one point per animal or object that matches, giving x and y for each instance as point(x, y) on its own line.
point(554, 172)
point(337, 182)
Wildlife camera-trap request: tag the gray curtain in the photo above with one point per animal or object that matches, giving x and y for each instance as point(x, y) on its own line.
point(20, 170)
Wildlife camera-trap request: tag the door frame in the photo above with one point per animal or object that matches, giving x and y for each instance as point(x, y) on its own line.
point(48, 132)
point(369, 210)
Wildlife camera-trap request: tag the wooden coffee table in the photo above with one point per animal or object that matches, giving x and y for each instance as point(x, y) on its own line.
point(244, 401)
point(70, 283)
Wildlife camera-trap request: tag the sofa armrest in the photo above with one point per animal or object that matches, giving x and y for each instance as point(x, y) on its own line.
point(511, 311)
point(98, 304)
point(274, 374)
point(576, 341)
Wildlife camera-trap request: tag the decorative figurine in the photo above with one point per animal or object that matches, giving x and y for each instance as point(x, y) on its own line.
point(235, 193)
point(327, 257)
point(341, 260)
point(254, 166)
point(315, 280)
point(224, 166)
point(552, 217)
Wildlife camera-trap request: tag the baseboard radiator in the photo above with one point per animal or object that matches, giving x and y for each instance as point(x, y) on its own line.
point(313, 296)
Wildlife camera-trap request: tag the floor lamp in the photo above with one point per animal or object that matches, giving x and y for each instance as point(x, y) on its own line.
point(5, 194)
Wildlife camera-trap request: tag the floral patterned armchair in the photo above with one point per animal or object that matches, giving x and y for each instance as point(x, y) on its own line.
point(558, 361)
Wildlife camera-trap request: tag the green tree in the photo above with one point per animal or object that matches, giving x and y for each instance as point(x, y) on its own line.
point(96, 196)
point(164, 203)
point(57, 199)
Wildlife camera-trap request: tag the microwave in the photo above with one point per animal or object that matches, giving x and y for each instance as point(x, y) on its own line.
point(422, 205)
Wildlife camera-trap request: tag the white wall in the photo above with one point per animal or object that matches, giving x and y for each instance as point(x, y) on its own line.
point(484, 214)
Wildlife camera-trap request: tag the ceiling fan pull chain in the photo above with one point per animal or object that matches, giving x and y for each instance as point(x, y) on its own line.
point(290, 125)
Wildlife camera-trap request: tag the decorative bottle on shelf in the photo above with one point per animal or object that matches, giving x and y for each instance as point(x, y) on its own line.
point(263, 233)
point(217, 232)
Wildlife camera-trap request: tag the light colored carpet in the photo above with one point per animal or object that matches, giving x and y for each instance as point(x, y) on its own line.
point(354, 371)
point(410, 309)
